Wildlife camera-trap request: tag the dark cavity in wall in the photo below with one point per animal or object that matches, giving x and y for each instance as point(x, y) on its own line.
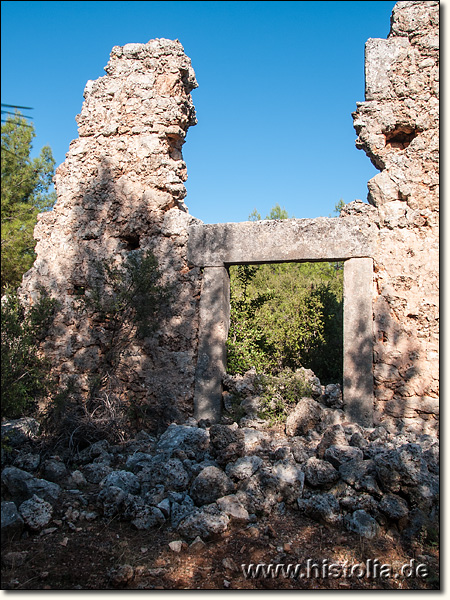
point(400, 137)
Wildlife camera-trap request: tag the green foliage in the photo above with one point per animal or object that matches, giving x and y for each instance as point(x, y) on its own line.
point(25, 185)
point(25, 375)
point(281, 393)
point(126, 300)
point(286, 316)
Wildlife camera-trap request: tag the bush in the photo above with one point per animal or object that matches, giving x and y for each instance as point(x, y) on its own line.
point(281, 393)
point(25, 375)
point(286, 316)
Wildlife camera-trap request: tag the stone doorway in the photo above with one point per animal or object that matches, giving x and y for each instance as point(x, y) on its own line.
point(216, 247)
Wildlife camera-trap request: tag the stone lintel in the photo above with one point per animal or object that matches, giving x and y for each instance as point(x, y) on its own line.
point(321, 239)
point(213, 333)
point(358, 340)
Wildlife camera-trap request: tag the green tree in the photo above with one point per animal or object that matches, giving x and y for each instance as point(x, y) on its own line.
point(286, 316)
point(25, 193)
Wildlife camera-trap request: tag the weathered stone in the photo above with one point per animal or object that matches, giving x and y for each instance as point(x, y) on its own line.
point(22, 486)
point(265, 241)
point(362, 523)
point(333, 435)
point(231, 506)
point(191, 440)
point(148, 517)
point(126, 481)
point(337, 454)
point(17, 431)
point(394, 506)
point(27, 461)
point(353, 471)
point(210, 484)
point(96, 472)
point(12, 522)
point(305, 416)
point(204, 522)
point(54, 470)
point(36, 513)
point(244, 467)
point(319, 472)
point(290, 479)
point(322, 507)
point(169, 472)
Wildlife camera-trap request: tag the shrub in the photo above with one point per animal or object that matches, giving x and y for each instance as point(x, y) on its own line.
point(280, 393)
point(25, 374)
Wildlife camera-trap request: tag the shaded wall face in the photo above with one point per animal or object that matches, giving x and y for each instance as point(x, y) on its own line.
point(397, 127)
point(121, 189)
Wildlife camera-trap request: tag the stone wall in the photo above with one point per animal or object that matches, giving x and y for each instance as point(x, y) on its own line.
point(397, 127)
point(121, 189)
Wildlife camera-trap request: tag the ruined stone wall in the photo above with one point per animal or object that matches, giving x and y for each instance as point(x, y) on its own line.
point(119, 190)
point(397, 127)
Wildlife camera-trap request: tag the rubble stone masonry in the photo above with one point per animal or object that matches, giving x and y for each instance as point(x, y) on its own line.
point(121, 189)
point(397, 127)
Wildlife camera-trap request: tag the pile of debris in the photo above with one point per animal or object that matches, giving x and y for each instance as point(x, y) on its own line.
point(198, 478)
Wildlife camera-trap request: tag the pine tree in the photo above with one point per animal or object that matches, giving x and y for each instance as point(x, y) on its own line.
point(25, 193)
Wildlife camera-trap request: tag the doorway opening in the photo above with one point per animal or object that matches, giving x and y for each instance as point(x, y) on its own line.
point(285, 316)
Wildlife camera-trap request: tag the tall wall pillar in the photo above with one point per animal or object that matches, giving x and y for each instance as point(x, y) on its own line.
point(358, 340)
point(212, 358)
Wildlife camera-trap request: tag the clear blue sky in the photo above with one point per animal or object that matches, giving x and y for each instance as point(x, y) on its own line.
point(278, 82)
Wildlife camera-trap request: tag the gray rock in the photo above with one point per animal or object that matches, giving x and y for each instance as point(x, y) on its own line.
point(204, 522)
point(22, 486)
point(231, 506)
point(12, 522)
point(261, 492)
point(290, 479)
point(227, 442)
point(320, 472)
point(353, 471)
point(54, 470)
point(359, 501)
point(332, 396)
point(15, 432)
point(431, 457)
point(36, 513)
point(164, 507)
point(244, 467)
point(167, 471)
point(321, 507)
point(333, 435)
point(362, 523)
point(96, 472)
point(148, 517)
point(193, 441)
point(93, 451)
point(299, 450)
point(138, 461)
point(126, 481)
point(394, 506)
point(398, 468)
point(306, 416)
point(111, 499)
point(358, 440)
point(210, 484)
point(27, 461)
point(180, 510)
point(337, 454)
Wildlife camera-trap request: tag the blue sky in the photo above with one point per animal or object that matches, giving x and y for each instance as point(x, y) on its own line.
point(278, 82)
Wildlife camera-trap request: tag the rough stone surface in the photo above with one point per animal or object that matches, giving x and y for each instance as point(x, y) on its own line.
point(119, 191)
point(204, 522)
point(210, 484)
point(362, 523)
point(36, 513)
point(320, 472)
point(17, 431)
point(12, 522)
point(305, 416)
point(398, 128)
